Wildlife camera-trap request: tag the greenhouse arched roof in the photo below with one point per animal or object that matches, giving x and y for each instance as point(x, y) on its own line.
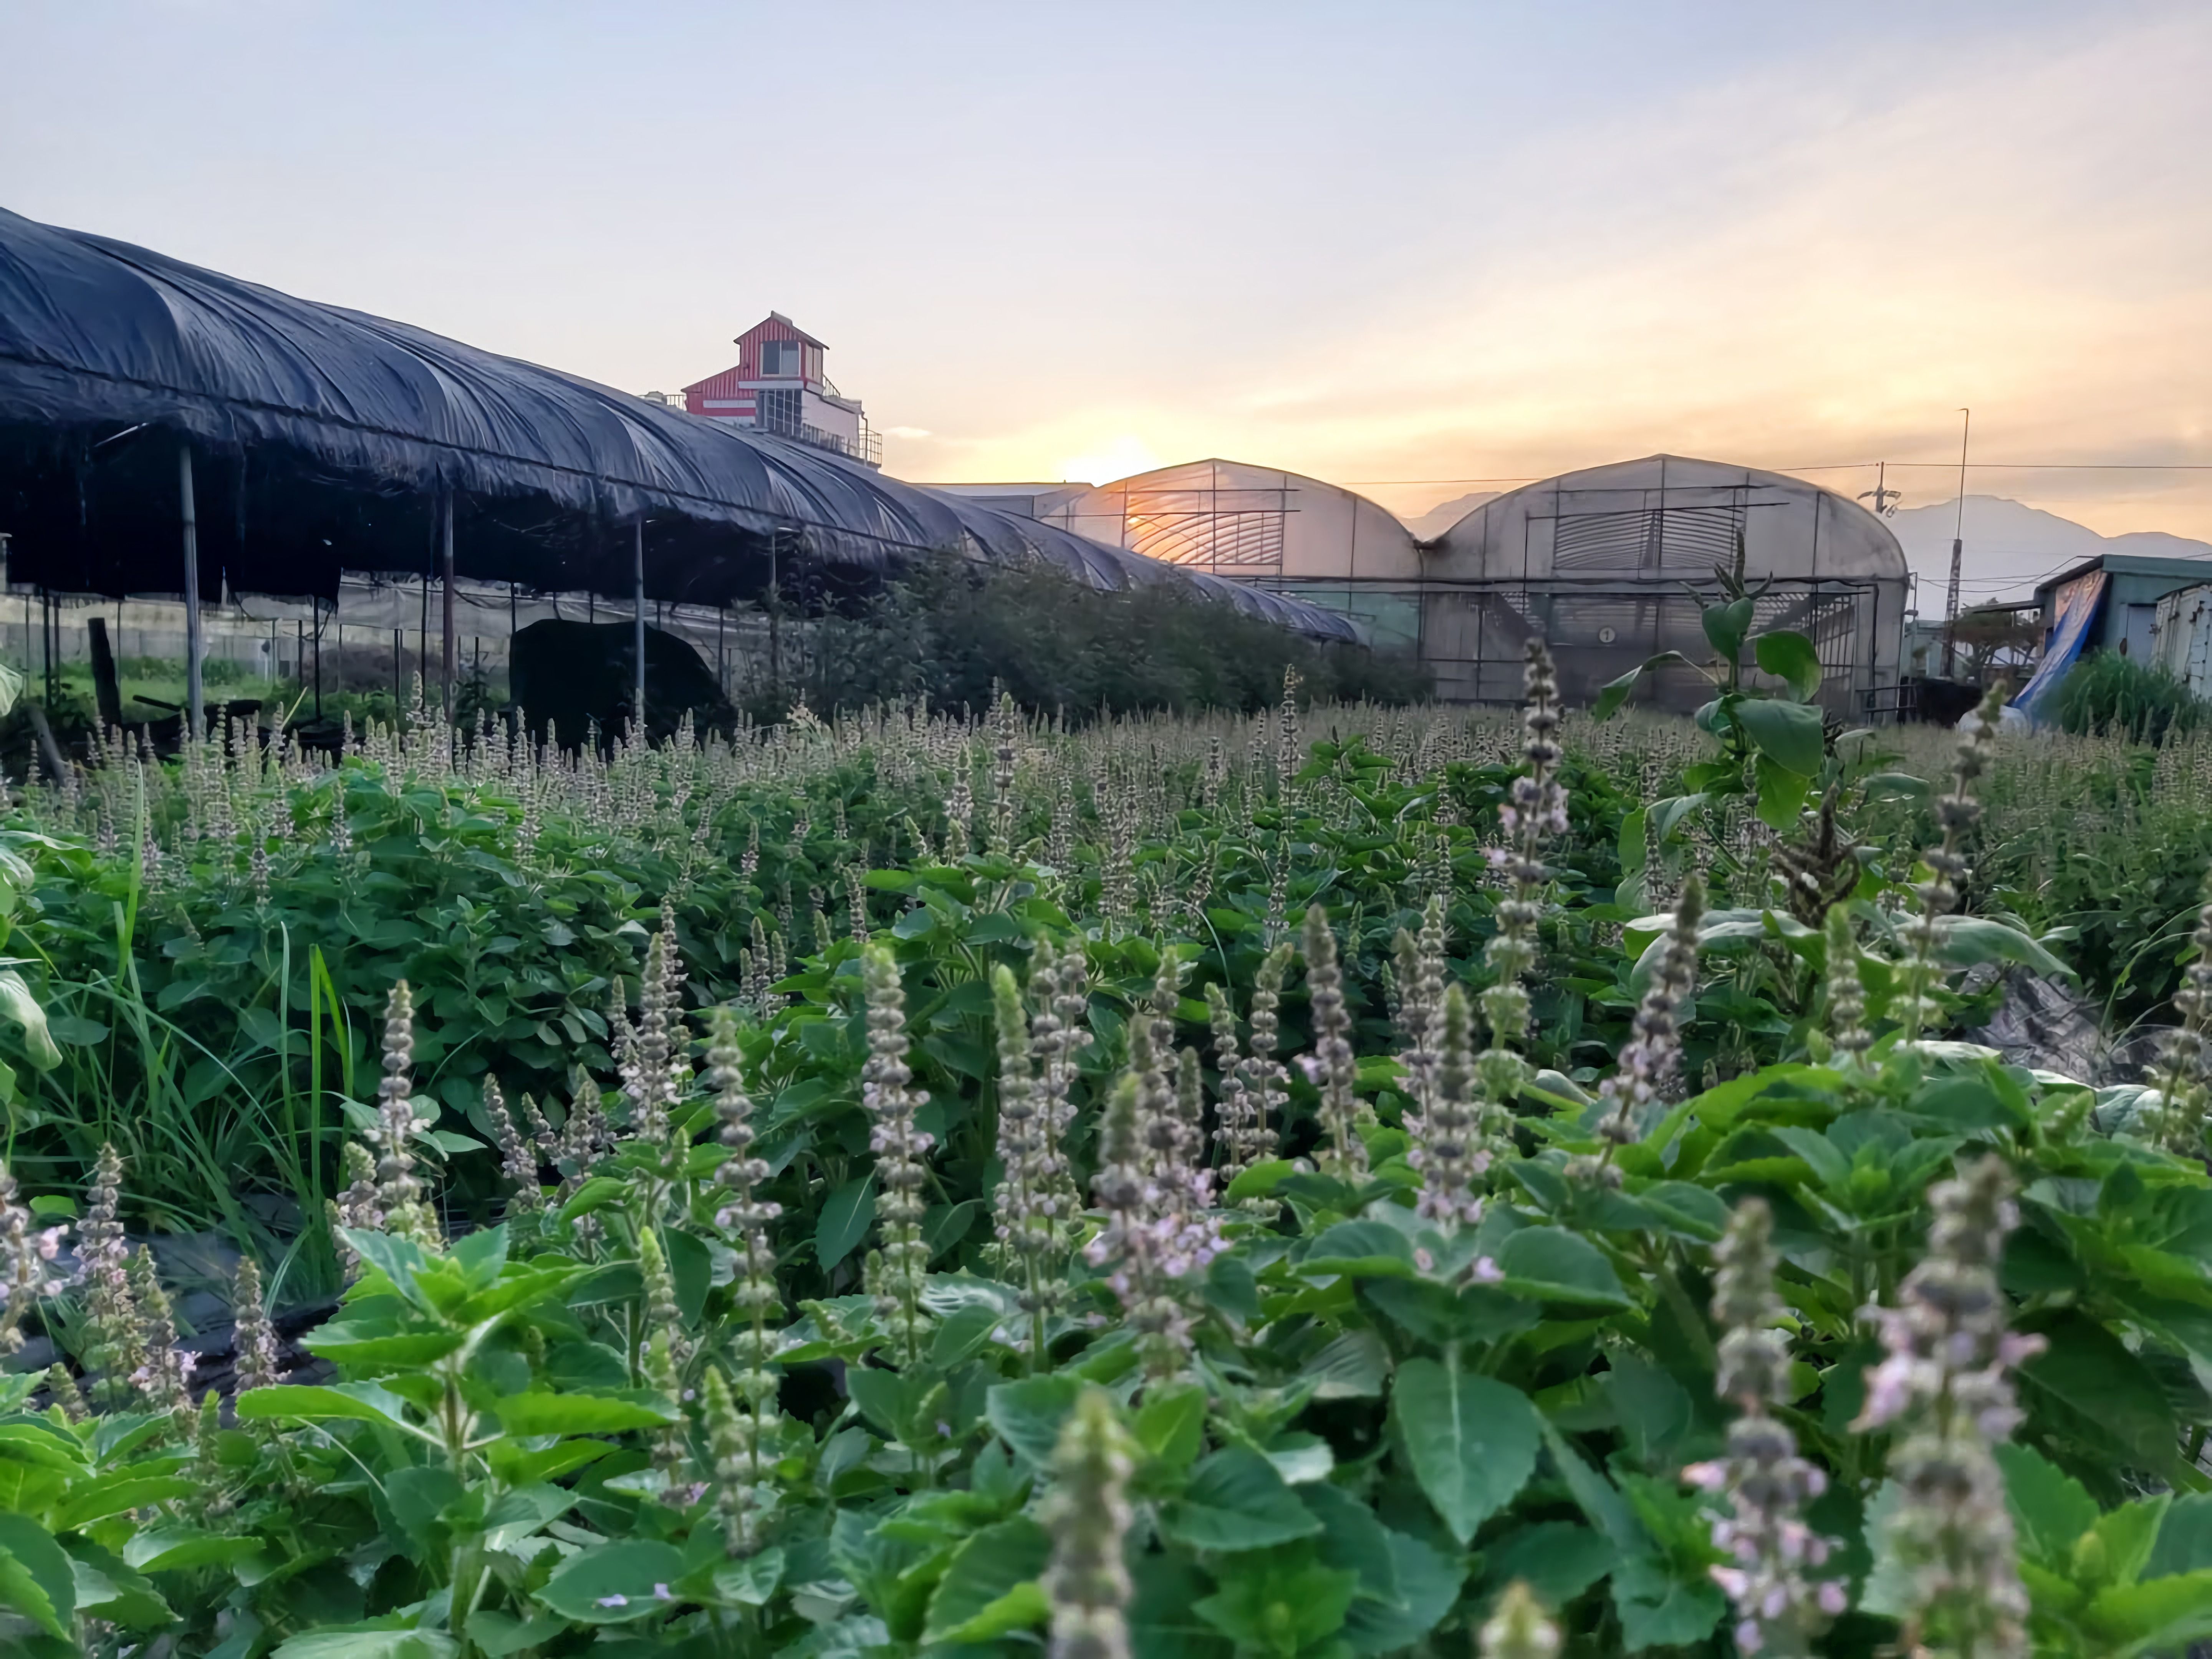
point(100, 341)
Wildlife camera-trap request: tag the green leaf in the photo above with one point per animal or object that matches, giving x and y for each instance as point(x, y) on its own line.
point(1471, 1440)
point(36, 1579)
point(95, 1500)
point(1554, 1265)
point(750, 1582)
point(1352, 1367)
point(844, 1221)
point(2101, 1387)
point(1782, 794)
point(2184, 1538)
point(990, 1587)
point(583, 1413)
point(171, 1544)
point(1027, 1414)
point(2053, 1508)
point(1171, 1424)
point(2159, 1615)
point(1557, 1558)
point(362, 1402)
point(1236, 1500)
point(1791, 734)
point(1615, 692)
point(501, 1635)
point(111, 1591)
point(1260, 1179)
point(1658, 1609)
point(1725, 626)
point(1360, 1249)
point(1965, 941)
point(1428, 1585)
point(18, 1005)
point(520, 1511)
point(479, 1255)
point(613, 1582)
point(1791, 659)
point(594, 1195)
point(367, 1643)
point(1280, 1606)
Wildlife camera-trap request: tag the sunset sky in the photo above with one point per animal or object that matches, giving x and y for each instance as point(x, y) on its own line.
point(1377, 243)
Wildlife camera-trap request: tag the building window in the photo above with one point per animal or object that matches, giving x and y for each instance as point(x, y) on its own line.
point(779, 412)
point(779, 359)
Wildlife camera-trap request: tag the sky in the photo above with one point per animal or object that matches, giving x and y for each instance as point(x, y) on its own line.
point(1425, 250)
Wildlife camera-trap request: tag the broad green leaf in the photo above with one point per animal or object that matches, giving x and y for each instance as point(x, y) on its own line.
point(520, 1511)
point(2051, 1508)
point(1965, 941)
point(2161, 1616)
point(613, 1582)
point(1790, 734)
point(1557, 1558)
point(990, 1587)
point(1352, 1366)
point(1428, 1585)
point(1659, 1609)
point(36, 1579)
point(1555, 1265)
point(1027, 1414)
point(367, 1643)
point(95, 1500)
point(1791, 659)
point(594, 1195)
point(171, 1544)
point(844, 1220)
point(583, 1413)
point(1260, 1179)
point(1782, 794)
point(1236, 1500)
point(2184, 1538)
point(1284, 1603)
point(501, 1635)
point(2100, 1387)
point(1725, 626)
point(18, 1005)
point(111, 1591)
point(363, 1402)
point(1615, 692)
point(749, 1581)
point(1471, 1440)
point(1171, 1425)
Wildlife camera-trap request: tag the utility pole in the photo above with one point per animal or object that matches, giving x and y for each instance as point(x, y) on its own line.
point(1880, 496)
point(1958, 551)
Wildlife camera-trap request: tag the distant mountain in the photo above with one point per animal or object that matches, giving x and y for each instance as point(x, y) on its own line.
point(1437, 519)
point(2010, 545)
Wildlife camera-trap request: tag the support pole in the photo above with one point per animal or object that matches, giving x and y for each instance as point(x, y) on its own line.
point(452, 646)
point(195, 694)
point(1958, 552)
point(638, 571)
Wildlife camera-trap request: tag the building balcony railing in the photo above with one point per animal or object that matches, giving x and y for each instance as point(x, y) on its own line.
point(868, 448)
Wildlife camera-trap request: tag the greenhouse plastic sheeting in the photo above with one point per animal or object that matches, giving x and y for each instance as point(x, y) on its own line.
point(2073, 608)
point(98, 336)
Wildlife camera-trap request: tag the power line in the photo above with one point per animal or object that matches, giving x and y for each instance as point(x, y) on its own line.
point(1851, 467)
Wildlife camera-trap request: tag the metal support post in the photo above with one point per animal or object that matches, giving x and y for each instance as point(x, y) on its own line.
point(452, 646)
point(638, 571)
point(195, 694)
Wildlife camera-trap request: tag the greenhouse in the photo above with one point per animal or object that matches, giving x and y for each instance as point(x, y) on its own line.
point(1599, 562)
point(1265, 527)
point(1602, 563)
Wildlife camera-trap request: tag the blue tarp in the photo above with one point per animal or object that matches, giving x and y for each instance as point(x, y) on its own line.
point(99, 338)
point(2073, 608)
